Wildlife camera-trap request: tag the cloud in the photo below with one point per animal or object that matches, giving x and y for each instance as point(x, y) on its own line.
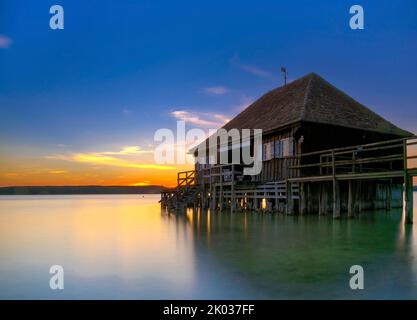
point(201, 119)
point(58, 171)
point(121, 159)
point(98, 159)
point(257, 71)
point(215, 91)
point(11, 174)
point(5, 42)
point(126, 151)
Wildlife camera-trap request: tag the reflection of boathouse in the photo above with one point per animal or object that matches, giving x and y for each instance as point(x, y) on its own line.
point(322, 152)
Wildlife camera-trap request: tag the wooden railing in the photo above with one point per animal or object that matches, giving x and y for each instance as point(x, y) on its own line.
point(186, 178)
point(379, 157)
point(220, 173)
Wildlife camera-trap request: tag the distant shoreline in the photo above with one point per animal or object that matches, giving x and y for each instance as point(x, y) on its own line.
point(72, 190)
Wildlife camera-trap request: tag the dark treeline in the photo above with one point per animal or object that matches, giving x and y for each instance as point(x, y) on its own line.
point(80, 190)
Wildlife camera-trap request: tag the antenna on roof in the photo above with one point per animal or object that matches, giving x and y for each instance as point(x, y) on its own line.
point(284, 74)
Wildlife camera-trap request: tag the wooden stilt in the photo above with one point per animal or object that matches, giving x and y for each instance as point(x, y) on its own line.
point(351, 195)
point(221, 196)
point(214, 196)
point(388, 199)
point(290, 203)
point(409, 199)
point(323, 199)
point(303, 199)
point(336, 191)
point(336, 199)
point(358, 202)
point(232, 188)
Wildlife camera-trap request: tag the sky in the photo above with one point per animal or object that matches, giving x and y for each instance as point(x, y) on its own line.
point(80, 106)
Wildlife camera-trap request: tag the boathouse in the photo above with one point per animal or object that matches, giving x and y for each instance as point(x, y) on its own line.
point(322, 152)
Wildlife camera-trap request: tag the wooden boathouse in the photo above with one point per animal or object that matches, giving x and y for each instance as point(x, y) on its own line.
point(322, 153)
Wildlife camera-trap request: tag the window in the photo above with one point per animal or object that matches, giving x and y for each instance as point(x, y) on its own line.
point(284, 148)
point(278, 149)
point(267, 151)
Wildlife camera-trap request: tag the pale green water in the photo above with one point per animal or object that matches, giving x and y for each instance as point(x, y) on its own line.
point(124, 247)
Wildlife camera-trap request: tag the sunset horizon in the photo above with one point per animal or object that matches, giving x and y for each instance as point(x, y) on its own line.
point(92, 116)
point(207, 159)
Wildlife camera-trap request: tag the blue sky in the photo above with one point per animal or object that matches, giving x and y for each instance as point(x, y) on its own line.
point(119, 69)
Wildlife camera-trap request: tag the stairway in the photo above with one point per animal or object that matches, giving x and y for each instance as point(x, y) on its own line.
point(182, 197)
point(184, 194)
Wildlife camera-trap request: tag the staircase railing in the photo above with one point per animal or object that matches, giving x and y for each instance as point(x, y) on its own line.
point(186, 178)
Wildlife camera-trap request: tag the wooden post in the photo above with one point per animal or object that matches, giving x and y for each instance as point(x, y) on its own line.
point(358, 202)
point(408, 182)
point(351, 195)
point(290, 204)
point(309, 197)
point(336, 191)
point(232, 189)
point(211, 205)
point(336, 199)
point(221, 196)
point(409, 199)
point(303, 199)
point(203, 196)
point(388, 199)
point(322, 199)
point(276, 196)
point(213, 198)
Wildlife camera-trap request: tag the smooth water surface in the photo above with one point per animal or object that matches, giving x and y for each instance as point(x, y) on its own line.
point(123, 246)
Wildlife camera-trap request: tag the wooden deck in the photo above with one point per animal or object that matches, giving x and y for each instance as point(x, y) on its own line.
point(316, 179)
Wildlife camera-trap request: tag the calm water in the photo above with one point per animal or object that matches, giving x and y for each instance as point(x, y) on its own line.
point(124, 247)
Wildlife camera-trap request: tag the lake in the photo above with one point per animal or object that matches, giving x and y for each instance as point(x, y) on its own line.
point(124, 247)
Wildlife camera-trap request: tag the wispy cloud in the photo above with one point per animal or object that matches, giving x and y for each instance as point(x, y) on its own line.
point(255, 70)
point(58, 171)
point(215, 91)
point(97, 159)
point(126, 151)
point(121, 159)
point(5, 42)
point(201, 119)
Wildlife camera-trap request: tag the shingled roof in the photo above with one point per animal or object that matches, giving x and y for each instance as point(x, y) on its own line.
point(310, 99)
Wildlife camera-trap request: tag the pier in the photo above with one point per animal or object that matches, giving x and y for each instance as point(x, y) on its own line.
point(322, 153)
point(342, 180)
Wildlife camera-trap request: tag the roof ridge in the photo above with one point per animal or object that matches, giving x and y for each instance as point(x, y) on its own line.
point(306, 95)
point(311, 98)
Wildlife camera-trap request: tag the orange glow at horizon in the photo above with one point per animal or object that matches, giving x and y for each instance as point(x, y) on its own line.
point(126, 166)
point(96, 176)
point(131, 166)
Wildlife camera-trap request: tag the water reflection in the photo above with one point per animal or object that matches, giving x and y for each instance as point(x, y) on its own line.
point(310, 256)
point(125, 247)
